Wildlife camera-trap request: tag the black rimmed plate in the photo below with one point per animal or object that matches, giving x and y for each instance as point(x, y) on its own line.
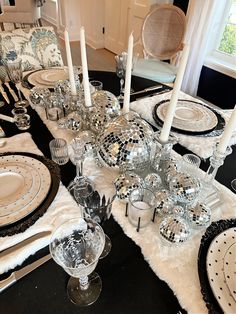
point(22, 224)
point(191, 118)
point(211, 233)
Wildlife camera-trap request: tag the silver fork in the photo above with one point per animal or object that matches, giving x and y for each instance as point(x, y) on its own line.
point(4, 94)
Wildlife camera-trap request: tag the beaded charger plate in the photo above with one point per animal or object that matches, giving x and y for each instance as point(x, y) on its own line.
point(21, 205)
point(48, 77)
point(208, 240)
point(190, 117)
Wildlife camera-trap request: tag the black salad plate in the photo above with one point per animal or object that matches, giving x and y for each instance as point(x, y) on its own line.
point(216, 131)
point(29, 220)
point(211, 232)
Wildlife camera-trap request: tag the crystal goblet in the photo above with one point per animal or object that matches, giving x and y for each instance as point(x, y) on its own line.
point(233, 184)
point(76, 246)
point(15, 74)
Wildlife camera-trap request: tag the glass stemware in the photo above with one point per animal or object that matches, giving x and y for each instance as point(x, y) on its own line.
point(14, 71)
point(121, 61)
point(233, 184)
point(76, 246)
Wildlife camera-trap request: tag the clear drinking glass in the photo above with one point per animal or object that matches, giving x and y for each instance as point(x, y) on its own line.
point(98, 85)
point(233, 184)
point(59, 151)
point(76, 246)
point(141, 207)
point(22, 119)
point(15, 74)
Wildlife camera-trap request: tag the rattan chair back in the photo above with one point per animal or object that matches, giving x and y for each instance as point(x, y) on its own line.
point(163, 31)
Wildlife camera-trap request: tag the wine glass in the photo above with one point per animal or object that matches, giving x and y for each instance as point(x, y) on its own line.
point(14, 71)
point(121, 61)
point(76, 246)
point(233, 184)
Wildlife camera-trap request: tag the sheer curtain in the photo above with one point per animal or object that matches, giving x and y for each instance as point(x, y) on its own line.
point(203, 17)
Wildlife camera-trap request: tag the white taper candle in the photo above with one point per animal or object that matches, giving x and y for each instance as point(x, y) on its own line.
point(228, 131)
point(87, 95)
point(69, 63)
point(174, 96)
point(128, 74)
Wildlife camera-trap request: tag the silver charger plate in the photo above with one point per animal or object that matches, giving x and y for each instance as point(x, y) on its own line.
point(48, 77)
point(25, 182)
point(216, 255)
point(189, 116)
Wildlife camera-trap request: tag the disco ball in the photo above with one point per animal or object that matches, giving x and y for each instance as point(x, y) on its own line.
point(126, 183)
point(106, 102)
point(198, 215)
point(164, 203)
point(174, 229)
point(126, 142)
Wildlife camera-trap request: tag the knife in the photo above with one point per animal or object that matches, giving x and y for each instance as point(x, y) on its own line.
point(24, 243)
point(4, 94)
point(11, 91)
point(149, 89)
point(18, 274)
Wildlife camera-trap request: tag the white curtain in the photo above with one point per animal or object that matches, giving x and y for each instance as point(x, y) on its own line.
point(203, 18)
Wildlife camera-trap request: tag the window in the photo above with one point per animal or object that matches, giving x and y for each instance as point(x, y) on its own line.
point(222, 56)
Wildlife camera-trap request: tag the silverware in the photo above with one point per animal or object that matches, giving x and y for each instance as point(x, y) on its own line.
point(4, 94)
point(11, 91)
point(7, 118)
point(16, 275)
point(24, 243)
point(149, 89)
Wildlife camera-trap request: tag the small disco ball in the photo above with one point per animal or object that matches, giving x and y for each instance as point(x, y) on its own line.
point(72, 122)
point(126, 142)
point(38, 95)
point(174, 229)
point(198, 215)
point(152, 181)
point(107, 102)
point(126, 183)
point(184, 188)
point(97, 120)
point(164, 203)
point(178, 210)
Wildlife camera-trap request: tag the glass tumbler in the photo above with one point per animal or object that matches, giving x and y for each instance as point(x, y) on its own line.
point(22, 119)
point(59, 151)
point(141, 207)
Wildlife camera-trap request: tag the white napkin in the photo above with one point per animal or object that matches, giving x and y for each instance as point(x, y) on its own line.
point(62, 208)
point(194, 143)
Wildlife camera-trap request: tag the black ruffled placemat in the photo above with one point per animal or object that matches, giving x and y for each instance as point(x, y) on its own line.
point(216, 131)
point(29, 220)
point(212, 231)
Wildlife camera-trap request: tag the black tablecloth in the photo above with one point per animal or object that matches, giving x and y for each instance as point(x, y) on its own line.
point(129, 284)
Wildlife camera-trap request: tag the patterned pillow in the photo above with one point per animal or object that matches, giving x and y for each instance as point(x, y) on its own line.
point(37, 47)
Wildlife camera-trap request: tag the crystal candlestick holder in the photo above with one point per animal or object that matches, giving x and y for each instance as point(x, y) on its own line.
point(161, 158)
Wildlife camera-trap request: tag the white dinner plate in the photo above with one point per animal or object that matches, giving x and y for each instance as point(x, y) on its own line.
point(189, 116)
point(21, 201)
point(230, 269)
point(215, 269)
point(48, 77)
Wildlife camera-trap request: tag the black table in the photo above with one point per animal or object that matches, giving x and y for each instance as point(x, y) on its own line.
point(129, 284)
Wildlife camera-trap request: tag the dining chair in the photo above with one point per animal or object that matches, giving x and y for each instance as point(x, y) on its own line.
point(37, 47)
point(162, 38)
point(24, 12)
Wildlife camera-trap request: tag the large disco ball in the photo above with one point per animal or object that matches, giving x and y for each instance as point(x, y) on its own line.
point(107, 102)
point(126, 142)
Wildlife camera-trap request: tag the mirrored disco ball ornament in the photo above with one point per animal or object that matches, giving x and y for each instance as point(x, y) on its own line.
point(170, 171)
point(152, 181)
point(126, 142)
point(174, 229)
point(72, 122)
point(97, 120)
point(106, 102)
point(199, 215)
point(184, 188)
point(126, 183)
point(178, 210)
point(164, 202)
point(38, 95)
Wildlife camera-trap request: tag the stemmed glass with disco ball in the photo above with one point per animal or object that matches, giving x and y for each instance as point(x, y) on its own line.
point(121, 61)
point(76, 246)
point(15, 74)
